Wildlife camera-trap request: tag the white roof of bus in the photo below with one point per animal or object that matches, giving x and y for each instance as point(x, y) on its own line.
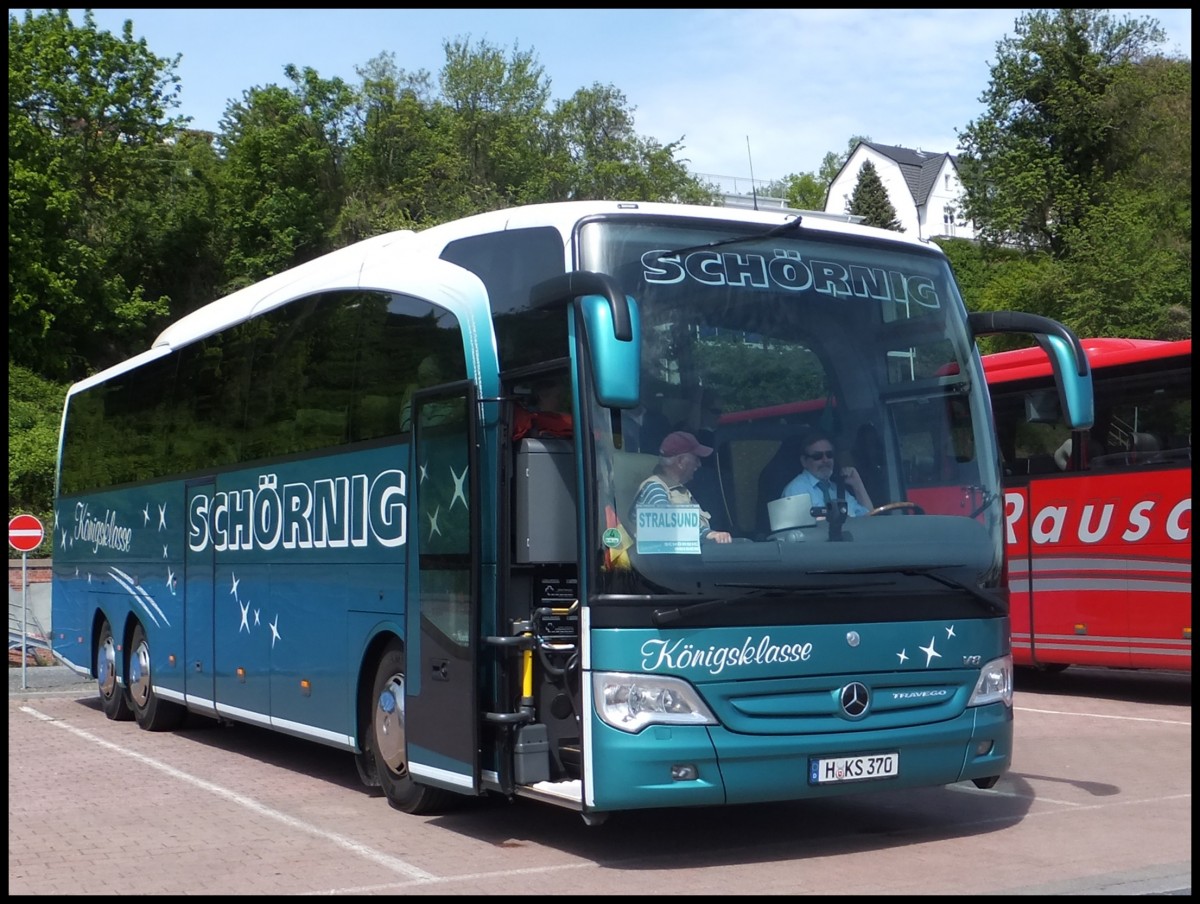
point(343, 268)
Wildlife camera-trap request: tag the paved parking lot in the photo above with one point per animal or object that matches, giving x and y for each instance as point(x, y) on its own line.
point(1098, 801)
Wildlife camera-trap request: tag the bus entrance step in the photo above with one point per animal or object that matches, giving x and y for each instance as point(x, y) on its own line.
point(568, 755)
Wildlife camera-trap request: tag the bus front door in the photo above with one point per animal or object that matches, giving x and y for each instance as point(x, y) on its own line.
point(199, 589)
point(441, 712)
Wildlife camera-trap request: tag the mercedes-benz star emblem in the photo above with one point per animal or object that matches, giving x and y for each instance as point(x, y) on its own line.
point(855, 698)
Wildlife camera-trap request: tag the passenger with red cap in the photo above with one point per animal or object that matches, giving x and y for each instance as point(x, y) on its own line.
point(679, 457)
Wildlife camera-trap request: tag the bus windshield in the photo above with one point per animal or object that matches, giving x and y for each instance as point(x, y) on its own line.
point(758, 348)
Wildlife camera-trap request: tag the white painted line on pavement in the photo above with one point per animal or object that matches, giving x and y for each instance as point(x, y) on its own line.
point(1056, 712)
point(385, 860)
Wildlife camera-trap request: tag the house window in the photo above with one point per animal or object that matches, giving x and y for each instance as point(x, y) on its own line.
point(947, 179)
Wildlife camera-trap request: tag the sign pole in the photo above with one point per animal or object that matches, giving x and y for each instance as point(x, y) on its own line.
point(25, 533)
point(24, 621)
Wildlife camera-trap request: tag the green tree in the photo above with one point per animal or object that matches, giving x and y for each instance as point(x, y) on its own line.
point(595, 153)
point(870, 201)
point(403, 164)
point(1084, 161)
point(1041, 157)
point(500, 119)
point(809, 191)
point(34, 409)
point(803, 191)
point(1120, 277)
point(282, 180)
point(86, 126)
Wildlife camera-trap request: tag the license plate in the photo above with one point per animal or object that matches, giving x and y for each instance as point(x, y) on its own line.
point(830, 769)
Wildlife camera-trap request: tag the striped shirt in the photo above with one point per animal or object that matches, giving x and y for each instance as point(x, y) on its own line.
point(654, 491)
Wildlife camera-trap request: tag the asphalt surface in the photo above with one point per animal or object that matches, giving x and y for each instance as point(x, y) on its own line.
point(41, 679)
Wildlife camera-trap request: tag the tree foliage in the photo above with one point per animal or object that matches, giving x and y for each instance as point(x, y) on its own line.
point(121, 218)
point(1045, 151)
point(87, 119)
point(870, 200)
point(35, 407)
point(808, 191)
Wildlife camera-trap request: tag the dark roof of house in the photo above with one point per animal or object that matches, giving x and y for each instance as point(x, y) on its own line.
point(920, 168)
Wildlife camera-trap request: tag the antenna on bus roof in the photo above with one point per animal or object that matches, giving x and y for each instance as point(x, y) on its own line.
point(753, 190)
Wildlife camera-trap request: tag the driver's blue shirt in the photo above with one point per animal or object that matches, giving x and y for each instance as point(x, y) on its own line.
point(806, 482)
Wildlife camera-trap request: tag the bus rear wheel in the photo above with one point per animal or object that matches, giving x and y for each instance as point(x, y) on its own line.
point(386, 746)
point(152, 712)
point(113, 696)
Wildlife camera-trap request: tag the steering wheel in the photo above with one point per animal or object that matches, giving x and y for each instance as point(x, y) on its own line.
point(911, 507)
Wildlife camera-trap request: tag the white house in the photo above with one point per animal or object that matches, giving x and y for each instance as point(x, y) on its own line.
point(924, 189)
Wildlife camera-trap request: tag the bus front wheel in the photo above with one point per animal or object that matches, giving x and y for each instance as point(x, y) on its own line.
point(386, 746)
point(152, 712)
point(113, 696)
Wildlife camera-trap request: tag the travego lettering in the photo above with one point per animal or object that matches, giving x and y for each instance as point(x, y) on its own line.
point(331, 513)
point(787, 270)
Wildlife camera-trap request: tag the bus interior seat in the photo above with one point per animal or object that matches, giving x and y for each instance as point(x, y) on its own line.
point(629, 470)
point(1042, 463)
point(785, 464)
point(1143, 442)
point(1143, 448)
point(870, 459)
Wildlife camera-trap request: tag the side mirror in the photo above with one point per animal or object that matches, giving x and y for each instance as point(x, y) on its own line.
point(609, 319)
point(1068, 360)
point(616, 363)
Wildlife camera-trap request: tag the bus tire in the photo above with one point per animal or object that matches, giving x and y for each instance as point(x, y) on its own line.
point(152, 712)
point(113, 696)
point(385, 744)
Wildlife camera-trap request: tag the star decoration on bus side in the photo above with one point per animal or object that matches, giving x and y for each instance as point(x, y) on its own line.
point(248, 620)
point(162, 516)
point(930, 652)
point(433, 522)
point(146, 515)
point(458, 487)
point(903, 654)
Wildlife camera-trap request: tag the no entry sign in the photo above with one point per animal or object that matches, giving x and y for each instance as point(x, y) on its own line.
point(25, 533)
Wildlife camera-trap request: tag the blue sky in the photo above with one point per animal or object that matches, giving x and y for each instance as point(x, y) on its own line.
point(762, 92)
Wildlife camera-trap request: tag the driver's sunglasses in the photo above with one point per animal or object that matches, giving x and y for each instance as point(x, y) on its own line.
point(817, 456)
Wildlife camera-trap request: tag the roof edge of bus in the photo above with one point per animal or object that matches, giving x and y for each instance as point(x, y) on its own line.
point(1102, 351)
point(245, 302)
point(570, 211)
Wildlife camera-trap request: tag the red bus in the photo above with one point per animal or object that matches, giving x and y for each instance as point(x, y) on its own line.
point(1099, 522)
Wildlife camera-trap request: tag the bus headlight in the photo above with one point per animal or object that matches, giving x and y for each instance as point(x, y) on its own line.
point(995, 684)
point(631, 702)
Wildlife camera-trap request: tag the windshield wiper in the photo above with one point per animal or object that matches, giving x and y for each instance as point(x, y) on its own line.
point(988, 499)
point(758, 591)
point(782, 229)
point(988, 598)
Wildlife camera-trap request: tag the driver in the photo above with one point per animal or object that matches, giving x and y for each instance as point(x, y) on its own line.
point(818, 481)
